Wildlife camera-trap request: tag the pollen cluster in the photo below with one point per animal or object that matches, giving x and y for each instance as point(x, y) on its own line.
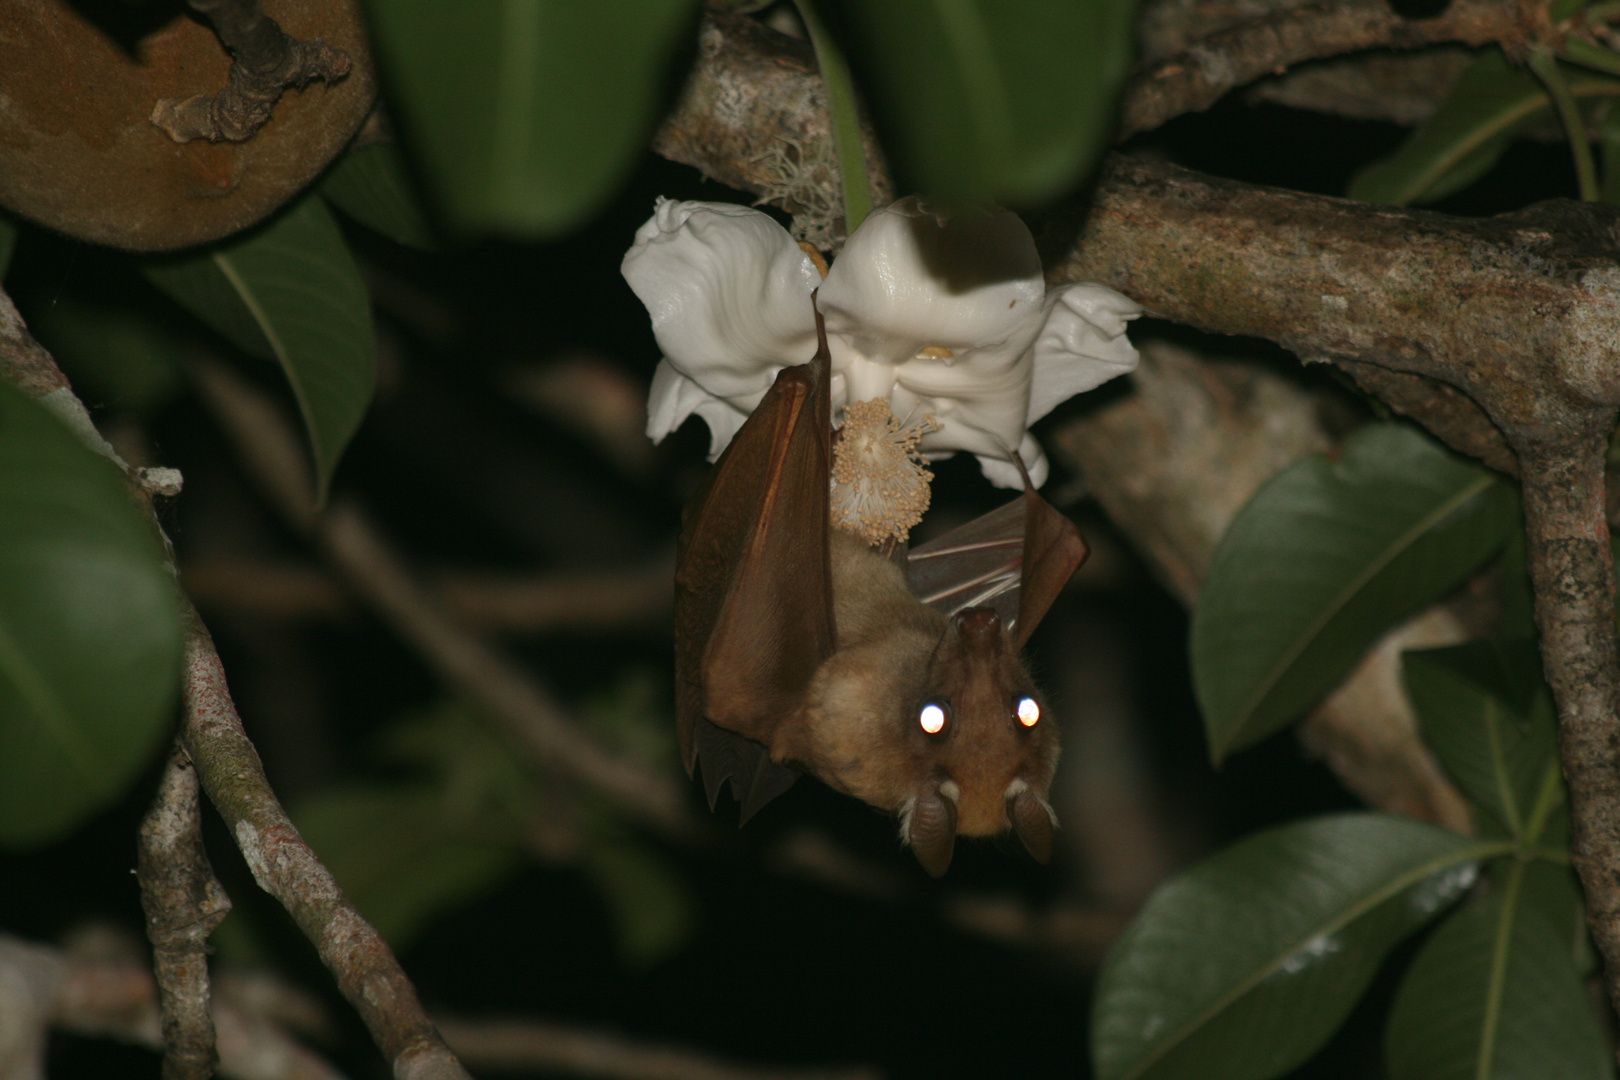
point(879, 480)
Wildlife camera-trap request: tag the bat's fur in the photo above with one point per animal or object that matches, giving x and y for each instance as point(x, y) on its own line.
point(858, 727)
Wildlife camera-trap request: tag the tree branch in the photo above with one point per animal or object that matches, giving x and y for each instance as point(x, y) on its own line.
point(265, 62)
point(43, 988)
point(283, 865)
point(184, 902)
point(1205, 71)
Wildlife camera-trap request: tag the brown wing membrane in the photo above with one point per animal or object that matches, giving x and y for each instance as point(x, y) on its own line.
point(1053, 551)
point(753, 593)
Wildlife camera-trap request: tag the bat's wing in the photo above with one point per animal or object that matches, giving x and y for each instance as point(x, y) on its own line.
point(976, 565)
point(753, 589)
point(1015, 559)
point(755, 778)
point(1053, 551)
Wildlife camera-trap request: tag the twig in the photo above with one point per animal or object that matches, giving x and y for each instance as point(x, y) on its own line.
point(1203, 72)
point(530, 1045)
point(43, 988)
point(265, 62)
point(283, 865)
point(272, 453)
point(629, 597)
point(184, 902)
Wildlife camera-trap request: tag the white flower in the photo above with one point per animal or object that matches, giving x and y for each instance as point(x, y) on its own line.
point(946, 317)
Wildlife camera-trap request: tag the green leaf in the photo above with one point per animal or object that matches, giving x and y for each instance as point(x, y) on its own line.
point(117, 356)
point(651, 906)
point(1488, 716)
point(527, 114)
point(1324, 559)
point(1243, 966)
point(373, 185)
point(89, 630)
point(993, 100)
point(290, 292)
point(406, 852)
point(1491, 102)
point(1495, 995)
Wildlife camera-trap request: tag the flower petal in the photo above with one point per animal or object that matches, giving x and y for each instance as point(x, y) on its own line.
point(909, 279)
point(674, 397)
point(729, 294)
point(1082, 344)
point(1003, 473)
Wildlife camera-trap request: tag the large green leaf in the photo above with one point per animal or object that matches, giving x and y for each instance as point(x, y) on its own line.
point(372, 185)
point(1324, 559)
point(1489, 717)
point(290, 292)
point(983, 100)
point(1490, 103)
point(528, 113)
point(1242, 967)
point(1495, 995)
point(89, 630)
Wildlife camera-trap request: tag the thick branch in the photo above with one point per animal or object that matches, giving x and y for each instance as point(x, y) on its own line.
point(1516, 311)
point(265, 62)
point(1195, 78)
point(183, 903)
point(284, 866)
point(1573, 574)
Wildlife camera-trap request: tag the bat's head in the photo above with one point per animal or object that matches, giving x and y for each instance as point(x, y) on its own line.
point(990, 747)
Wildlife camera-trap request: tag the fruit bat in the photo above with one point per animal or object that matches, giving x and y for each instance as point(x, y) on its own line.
point(897, 680)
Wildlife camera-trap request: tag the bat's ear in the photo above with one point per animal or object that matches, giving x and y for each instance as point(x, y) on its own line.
point(929, 826)
point(1034, 821)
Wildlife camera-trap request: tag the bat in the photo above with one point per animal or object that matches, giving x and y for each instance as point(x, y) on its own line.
point(800, 648)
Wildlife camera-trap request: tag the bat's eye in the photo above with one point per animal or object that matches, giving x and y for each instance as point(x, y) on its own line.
point(934, 715)
point(1028, 711)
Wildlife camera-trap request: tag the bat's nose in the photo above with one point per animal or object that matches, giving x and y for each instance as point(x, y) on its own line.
point(978, 621)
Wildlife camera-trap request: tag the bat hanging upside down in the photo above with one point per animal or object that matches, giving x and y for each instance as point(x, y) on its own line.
point(801, 647)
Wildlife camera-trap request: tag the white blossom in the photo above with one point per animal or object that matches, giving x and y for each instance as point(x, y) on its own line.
point(942, 316)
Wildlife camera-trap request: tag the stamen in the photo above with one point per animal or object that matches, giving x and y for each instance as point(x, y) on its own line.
point(879, 480)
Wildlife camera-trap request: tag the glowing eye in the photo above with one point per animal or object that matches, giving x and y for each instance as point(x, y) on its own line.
point(1029, 711)
point(932, 717)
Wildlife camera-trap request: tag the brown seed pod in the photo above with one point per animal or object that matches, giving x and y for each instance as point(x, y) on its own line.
point(79, 151)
